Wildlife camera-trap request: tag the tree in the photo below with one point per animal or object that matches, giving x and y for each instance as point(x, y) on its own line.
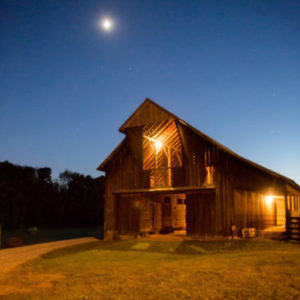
point(28, 197)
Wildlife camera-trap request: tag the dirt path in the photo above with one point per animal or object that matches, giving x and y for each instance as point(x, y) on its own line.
point(12, 257)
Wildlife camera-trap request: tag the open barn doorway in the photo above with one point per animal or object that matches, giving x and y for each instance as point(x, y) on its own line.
point(168, 214)
point(158, 215)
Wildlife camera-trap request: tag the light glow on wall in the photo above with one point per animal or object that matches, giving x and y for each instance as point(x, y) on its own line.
point(269, 200)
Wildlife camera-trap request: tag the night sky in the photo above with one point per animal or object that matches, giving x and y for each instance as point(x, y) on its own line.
point(229, 68)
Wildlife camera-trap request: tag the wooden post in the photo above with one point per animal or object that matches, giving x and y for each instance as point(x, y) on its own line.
point(286, 204)
point(0, 236)
point(287, 214)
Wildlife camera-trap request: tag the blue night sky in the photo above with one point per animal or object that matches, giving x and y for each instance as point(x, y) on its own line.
point(229, 68)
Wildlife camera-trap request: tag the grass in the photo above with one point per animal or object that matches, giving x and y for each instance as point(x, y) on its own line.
point(43, 235)
point(144, 269)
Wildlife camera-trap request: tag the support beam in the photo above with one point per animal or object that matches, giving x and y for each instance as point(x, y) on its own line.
point(179, 158)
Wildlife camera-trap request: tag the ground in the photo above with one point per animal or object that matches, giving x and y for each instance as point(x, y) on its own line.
point(147, 269)
point(12, 257)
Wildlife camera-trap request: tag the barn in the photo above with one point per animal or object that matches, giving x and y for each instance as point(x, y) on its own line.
point(167, 176)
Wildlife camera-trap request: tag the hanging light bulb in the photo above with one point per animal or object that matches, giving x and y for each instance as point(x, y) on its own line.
point(158, 145)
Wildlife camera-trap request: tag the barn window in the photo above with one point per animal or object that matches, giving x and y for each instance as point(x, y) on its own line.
point(179, 201)
point(167, 200)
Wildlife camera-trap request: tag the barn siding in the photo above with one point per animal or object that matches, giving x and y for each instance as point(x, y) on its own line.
point(250, 210)
point(197, 155)
point(200, 214)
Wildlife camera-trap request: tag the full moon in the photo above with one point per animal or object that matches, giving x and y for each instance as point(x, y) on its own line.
point(107, 24)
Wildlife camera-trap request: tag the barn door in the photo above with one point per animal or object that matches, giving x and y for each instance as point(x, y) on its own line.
point(128, 215)
point(200, 213)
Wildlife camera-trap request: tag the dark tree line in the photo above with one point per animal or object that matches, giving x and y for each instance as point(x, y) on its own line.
point(29, 197)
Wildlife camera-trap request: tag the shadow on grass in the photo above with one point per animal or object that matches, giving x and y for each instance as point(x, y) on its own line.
point(15, 238)
point(174, 247)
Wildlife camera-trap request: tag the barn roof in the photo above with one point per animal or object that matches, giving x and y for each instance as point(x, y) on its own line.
point(158, 113)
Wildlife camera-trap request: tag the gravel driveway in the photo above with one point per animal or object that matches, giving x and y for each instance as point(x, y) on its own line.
point(12, 257)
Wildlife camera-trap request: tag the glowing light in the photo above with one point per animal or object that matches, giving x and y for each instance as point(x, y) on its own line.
point(107, 24)
point(158, 145)
point(137, 204)
point(269, 200)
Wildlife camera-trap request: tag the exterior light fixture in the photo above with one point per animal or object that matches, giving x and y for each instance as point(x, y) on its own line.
point(269, 200)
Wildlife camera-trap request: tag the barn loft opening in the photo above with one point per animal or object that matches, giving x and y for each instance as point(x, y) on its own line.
point(162, 152)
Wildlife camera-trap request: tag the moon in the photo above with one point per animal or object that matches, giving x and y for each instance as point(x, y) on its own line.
point(107, 24)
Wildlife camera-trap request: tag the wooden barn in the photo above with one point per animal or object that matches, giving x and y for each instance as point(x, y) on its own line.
point(166, 175)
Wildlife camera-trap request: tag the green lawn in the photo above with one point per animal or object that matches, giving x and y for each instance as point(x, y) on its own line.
point(161, 270)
